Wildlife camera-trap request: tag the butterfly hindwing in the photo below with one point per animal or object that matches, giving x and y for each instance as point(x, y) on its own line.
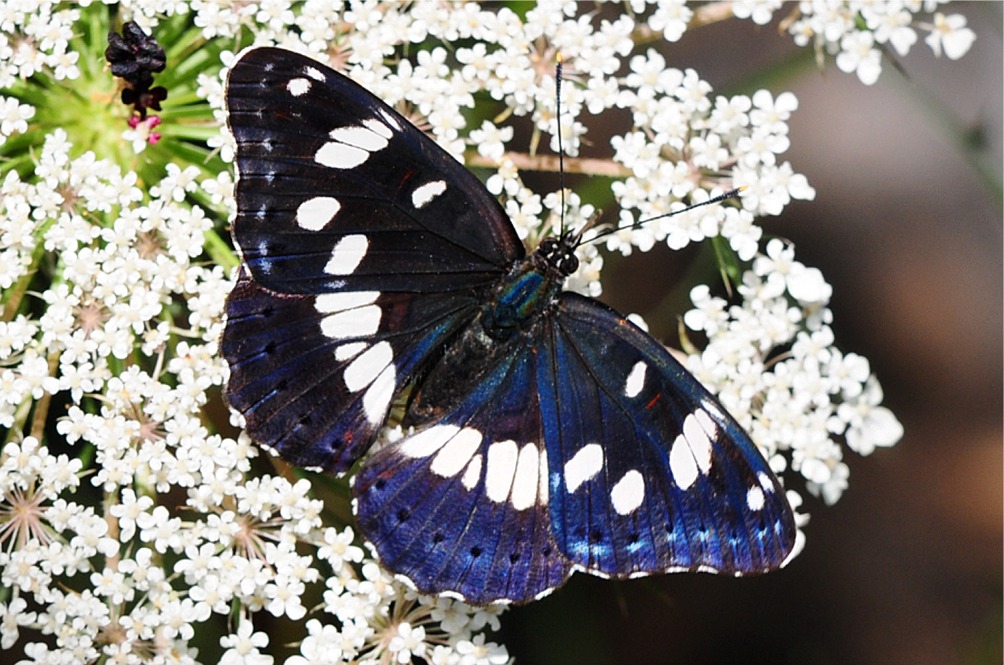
point(314, 375)
point(461, 505)
point(653, 474)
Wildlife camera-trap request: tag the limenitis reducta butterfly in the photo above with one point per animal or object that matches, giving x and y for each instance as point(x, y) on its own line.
point(549, 433)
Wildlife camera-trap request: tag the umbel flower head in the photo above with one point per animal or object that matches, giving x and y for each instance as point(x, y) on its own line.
point(137, 522)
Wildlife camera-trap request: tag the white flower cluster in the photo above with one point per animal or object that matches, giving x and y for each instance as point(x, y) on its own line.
point(856, 31)
point(34, 37)
point(773, 362)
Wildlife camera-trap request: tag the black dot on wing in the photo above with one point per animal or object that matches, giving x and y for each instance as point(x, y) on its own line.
point(475, 552)
point(269, 348)
point(514, 557)
point(380, 482)
point(596, 536)
point(403, 514)
point(634, 538)
point(437, 538)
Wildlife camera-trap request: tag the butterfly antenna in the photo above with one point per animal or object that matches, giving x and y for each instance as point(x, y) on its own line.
point(731, 194)
point(561, 149)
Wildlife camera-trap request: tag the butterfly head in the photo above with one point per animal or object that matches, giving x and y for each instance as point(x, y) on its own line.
point(559, 253)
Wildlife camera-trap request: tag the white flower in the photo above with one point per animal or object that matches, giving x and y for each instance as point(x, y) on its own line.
point(950, 34)
point(858, 54)
point(242, 647)
point(476, 652)
point(408, 641)
point(870, 425)
point(761, 11)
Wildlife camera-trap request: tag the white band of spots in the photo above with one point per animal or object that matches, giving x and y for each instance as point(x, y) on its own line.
point(362, 371)
point(351, 146)
point(428, 441)
point(454, 456)
point(691, 451)
point(525, 481)
point(376, 400)
point(361, 322)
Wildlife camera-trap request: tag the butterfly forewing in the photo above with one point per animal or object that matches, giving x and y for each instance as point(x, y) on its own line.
point(337, 191)
point(655, 475)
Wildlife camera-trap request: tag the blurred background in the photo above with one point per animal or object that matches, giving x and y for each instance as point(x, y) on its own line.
point(907, 227)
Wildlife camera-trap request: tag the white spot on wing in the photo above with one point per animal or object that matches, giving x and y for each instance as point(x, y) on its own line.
point(765, 482)
point(698, 439)
point(424, 195)
point(298, 87)
point(340, 155)
point(314, 73)
point(706, 423)
point(543, 478)
point(378, 127)
point(691, 451)
point(391, 120)
point(635, 380)
point(352, 323)
point(377, 398)
point(362, 371)
point(628, 493)
point(314, 214)
point(428, 441)
point(502, 457)
point(754, 498)
point(525, 480)
point(347, 255)
point(329, 303)
point(455, 455)
point(583, 465)
point(359, 137)
point(682, 463)
point(473, 472)
point(344, 352)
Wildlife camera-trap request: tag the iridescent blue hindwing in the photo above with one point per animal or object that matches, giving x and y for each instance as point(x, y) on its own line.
point(461, 506)
point(652, 474)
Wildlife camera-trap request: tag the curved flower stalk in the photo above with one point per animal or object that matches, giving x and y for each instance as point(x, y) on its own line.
point(137, 524)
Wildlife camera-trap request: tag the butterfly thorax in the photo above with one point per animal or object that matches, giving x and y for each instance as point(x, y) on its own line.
point(508, 318)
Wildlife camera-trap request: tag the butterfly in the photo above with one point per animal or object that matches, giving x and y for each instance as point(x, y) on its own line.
point(546, 433)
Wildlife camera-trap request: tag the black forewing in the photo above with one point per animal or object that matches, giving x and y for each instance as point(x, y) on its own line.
point(365, 247)
point(459, 239)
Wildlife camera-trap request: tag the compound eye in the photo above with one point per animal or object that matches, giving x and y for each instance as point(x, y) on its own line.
point(568, 264)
